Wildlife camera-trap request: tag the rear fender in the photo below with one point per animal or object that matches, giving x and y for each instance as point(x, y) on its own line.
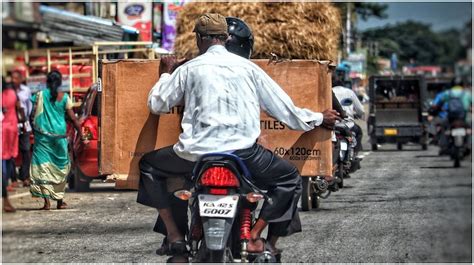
point(216, 232)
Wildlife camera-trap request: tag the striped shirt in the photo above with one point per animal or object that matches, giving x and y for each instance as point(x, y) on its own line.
point(222, 95)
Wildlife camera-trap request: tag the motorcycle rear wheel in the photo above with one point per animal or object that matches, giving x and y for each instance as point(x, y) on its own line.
point(340, 174)
point(399, 146)
point(456, 157)
point(217, 256)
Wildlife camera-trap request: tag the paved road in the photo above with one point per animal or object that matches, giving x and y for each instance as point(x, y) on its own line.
point(408, 206)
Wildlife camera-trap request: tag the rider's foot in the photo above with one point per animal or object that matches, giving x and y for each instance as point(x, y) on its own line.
point(256, 245)
point(176, 249)
point(163, 250)
point(177, 259)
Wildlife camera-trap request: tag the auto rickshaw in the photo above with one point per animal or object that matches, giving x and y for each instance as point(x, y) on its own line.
point(397, 113)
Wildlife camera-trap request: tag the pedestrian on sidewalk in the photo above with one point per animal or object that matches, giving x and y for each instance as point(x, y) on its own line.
point(24, 98)
point(9, 139)
point(50, 163)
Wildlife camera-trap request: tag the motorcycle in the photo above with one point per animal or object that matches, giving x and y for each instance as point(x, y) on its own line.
point(457, 134)
point(222, 201)
point(456, 138)
point(345, 157)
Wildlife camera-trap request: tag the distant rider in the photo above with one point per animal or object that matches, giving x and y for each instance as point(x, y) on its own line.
point(353, 111)
point(457, 104)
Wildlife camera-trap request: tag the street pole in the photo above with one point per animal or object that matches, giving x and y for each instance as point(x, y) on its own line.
point(348, 29)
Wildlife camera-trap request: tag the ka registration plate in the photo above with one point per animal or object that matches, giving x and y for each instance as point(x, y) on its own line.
point(218, 206)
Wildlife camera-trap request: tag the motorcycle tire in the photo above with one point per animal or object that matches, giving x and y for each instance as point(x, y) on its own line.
point(315, 202)
point(217, 256)
point(456, 157)
point(340, 175)
point(399, 146)
point(457, 163)
point(307, 194)
point(77, 180)
point(374, 147)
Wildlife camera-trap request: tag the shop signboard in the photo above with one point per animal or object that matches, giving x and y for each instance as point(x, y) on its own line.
point(137, 15)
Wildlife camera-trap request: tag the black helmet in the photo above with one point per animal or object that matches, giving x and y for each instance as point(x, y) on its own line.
point(457, 81)
point(240, 39)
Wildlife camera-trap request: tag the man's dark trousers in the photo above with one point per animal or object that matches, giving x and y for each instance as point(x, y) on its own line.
point(25, 147)
point(279, 177)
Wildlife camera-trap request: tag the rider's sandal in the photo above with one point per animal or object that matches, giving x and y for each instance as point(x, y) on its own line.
point(266, 248)
point(178, 252)
point(164, 249)
point(275, 252)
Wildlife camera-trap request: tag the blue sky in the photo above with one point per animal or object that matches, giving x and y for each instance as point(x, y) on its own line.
point(441, 15)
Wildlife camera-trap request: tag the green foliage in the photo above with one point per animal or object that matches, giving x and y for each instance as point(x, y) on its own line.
point(366, 10)
point(372, 65)
point(362, 10)
point(414, 40)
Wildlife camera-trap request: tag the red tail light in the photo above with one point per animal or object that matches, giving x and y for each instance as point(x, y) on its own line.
point(219, 177)
point(218, 191)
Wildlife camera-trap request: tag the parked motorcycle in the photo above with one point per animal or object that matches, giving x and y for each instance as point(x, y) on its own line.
point(222, 202)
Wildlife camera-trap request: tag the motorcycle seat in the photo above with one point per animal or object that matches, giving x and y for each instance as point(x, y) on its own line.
point(234, 160)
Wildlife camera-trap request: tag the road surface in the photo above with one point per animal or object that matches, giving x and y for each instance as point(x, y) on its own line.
point(402, 206)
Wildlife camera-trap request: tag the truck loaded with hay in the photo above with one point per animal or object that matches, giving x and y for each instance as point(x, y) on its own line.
point(301, 38)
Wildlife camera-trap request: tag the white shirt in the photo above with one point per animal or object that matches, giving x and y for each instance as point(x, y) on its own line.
point(223, 94)
point(347, 93)
point(24, 96)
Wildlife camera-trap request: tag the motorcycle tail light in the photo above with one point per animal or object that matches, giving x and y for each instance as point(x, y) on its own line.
point(214, 191)
point(219, 177)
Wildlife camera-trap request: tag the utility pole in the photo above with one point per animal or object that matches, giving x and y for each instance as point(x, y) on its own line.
point(348, 28)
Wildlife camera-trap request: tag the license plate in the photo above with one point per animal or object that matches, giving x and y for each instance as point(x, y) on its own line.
point(344, 146)
point(218, 206)
point(390, 131)
point(458, 132)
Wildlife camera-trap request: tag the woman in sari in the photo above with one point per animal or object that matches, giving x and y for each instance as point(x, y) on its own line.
point(50, 163)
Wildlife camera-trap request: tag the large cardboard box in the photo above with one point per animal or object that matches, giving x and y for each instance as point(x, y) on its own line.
point(128, 130)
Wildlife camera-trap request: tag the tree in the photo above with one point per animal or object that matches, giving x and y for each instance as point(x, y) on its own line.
point(362, 10)
point(415, 40)
point(357, 9)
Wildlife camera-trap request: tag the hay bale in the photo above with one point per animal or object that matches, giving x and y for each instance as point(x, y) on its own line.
point(296, 30)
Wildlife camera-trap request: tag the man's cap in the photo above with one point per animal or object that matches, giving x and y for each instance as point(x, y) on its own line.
point(211, 24)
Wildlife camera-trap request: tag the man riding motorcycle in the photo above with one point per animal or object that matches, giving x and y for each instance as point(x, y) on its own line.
point(352, 111)
point(454, 104)
point(222, 95)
